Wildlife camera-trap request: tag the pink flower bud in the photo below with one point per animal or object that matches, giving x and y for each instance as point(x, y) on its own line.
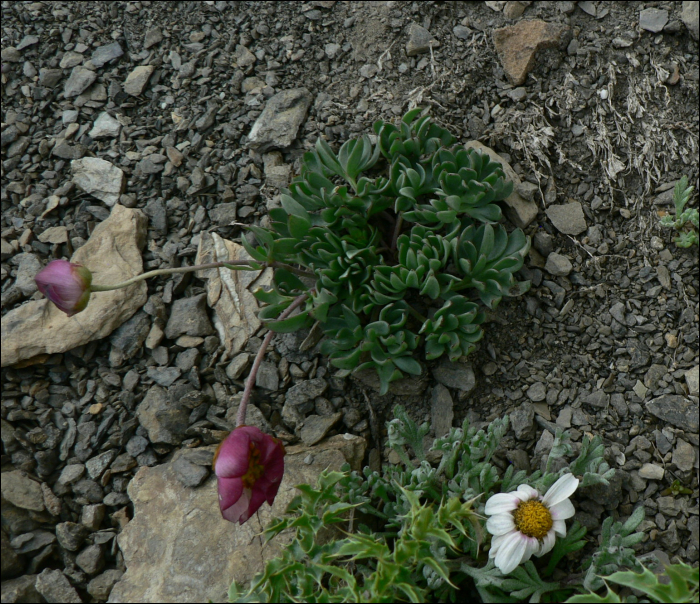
point(249, 466)
point(67, 285)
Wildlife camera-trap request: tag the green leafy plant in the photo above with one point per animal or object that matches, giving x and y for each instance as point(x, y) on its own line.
point(416, 531)
point(686, 221)
point(394, 242)
point(681, 586)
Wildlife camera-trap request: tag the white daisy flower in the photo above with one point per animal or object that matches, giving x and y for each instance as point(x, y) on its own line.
point(524, 523)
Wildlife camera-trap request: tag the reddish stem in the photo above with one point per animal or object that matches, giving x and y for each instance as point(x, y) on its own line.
point(240, 418)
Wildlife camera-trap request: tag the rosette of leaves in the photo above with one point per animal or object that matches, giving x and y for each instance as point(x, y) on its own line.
point(342, 222)
point(488, 256)
point(343, 267)
point(470, 183)
point(385, 345)
point(454, 329)
point(421, 257)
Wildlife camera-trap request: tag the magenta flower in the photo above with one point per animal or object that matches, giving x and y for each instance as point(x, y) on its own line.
point(249, 466)
point(67, 285)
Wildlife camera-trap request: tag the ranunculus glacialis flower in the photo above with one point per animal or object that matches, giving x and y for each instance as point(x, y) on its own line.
point(249, 466)
point(67, 285)
point(523, 523)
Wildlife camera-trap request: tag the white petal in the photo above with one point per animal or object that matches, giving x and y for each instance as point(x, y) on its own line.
point(500, 524)
point(525, 492)
point(511, 553)
point(560, 490)
point(562, 510)
point(547, 544)
point(501, 503)
point(532, 545)
point(560, 528)
point(496, 543)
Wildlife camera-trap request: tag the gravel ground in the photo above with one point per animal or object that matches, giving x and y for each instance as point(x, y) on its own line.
point(598, 127)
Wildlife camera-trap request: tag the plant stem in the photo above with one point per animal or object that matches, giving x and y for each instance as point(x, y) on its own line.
point(240, 418)
point(415, 314)
point(397, 230)
point(232, 264)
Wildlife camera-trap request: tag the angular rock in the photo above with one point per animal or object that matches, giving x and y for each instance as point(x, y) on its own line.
point(517, 45)
point(193, 554)
point(71, 535)
point(653, 19)
point(12, 564)
point(99, 178)
point(136, 81)
point(189, 474)
point(651, 471)
point(55, 587)
point(165, 421)
point(164, 376)
point(558, 265)
point(455, 375)
point(229, 293)
point(279, 122)
point(268, 377)
point(101, 586)
point(420, 40)
point(105, 126)
point(676, 410)
point(22, 491)
point(441, 410)
point(105, 54)
point(306, 391)
point(568, 219)
point(692, 379)
point(690, 14)
point(113, 255)
point(684, 456)
point(317, 426)
point(189, 317)
point(79, 81)
point(28, 265)
point(21, 589)
point(523, 421)
point(521, 212)
point(91, 559)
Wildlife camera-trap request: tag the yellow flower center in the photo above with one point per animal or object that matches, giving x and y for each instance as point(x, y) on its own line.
point(532, 518)
point(255, 468)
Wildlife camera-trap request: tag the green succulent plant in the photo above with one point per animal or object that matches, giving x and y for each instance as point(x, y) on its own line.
point(380, 238)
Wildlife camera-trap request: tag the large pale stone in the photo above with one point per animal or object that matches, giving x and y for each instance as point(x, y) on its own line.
point(279, 122)
point(517, 45)
point(178, 548)
point(99, 178)
point(229, 292)
point(521, 212)
point(113, 255)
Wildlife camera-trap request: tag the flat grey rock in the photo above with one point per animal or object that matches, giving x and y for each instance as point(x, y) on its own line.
point(279, 122)
point(568, 219)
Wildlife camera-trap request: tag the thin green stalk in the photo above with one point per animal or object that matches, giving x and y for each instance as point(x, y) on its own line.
point(415, 314)
point(232, 264)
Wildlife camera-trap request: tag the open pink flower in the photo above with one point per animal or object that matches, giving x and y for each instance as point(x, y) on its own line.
point(67, 285)
point(249, 466)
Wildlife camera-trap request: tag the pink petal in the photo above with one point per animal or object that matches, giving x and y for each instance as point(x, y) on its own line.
point(500, 524)
point(502, 503)
point(547, 544)
point(562, 510)
point(562, 489)
point(236, 512)
point(256, 500)
point(511, 552)
point(231, 460)
point(230, 491)
point(560, 528)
